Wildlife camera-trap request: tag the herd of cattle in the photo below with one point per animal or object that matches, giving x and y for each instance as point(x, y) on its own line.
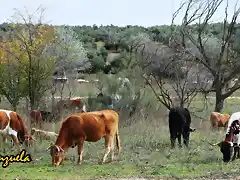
point(72, 104)
point(76, 104)
point(95, 125)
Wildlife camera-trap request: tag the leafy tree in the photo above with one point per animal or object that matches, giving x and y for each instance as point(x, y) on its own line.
point(11, 79)
point(27, 44)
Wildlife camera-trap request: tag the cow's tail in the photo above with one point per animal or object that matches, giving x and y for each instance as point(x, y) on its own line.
point(118, 141)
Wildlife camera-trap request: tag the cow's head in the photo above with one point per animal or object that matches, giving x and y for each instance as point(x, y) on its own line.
point(227, 146)
point(227, 149)
point(28, 140)
point(192, 129)
point(57, 154)
point(33, 131)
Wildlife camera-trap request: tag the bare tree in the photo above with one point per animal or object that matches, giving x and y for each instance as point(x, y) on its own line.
point(167, 72)
point(217, 53)
point(178, 90)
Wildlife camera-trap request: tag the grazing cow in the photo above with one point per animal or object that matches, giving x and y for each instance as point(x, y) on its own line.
point(179, 125)
point(46, 115)
point(11, 124)
point(38, 116)
point(44, 135)
point(219, 120)
point(229, 147)
point(87, 126)
point(105, 100)
point(72, 104)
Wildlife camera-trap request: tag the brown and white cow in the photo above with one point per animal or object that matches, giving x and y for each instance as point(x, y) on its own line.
point(11, 124)
point(71, 104)
point(229, 147)
point(87, 126)
point(219, 120)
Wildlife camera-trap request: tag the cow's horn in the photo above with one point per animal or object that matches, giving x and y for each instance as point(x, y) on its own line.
point(215, 144)
point(58, 149)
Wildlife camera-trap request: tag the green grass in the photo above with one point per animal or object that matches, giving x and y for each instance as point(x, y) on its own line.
point(145, 152)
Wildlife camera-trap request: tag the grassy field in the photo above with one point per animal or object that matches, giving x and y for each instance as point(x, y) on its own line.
point(145, 149)
point(145, 152)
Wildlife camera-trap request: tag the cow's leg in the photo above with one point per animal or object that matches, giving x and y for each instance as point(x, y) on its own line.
point(4, 141)
point(40, 138)
point(80, 151)
point(107, 147)
point(173, 140)
point(16, 142)
point(186, 134)
point(238, 151)
point(235, 153)
point(40, 124)
point(173, 136)
point(112, 147)
point(179, 140)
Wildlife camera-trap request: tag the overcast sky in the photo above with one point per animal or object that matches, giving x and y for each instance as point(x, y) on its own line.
point(105, 12)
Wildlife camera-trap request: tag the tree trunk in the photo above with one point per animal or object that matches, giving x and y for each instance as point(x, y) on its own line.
point(32, 103)
point(182, 103)
point(62, 90)
point(14, 106)
point(219, 103)
point(27, 105)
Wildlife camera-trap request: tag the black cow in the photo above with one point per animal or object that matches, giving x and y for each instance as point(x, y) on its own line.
point(179, 125)
point(46, 115)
